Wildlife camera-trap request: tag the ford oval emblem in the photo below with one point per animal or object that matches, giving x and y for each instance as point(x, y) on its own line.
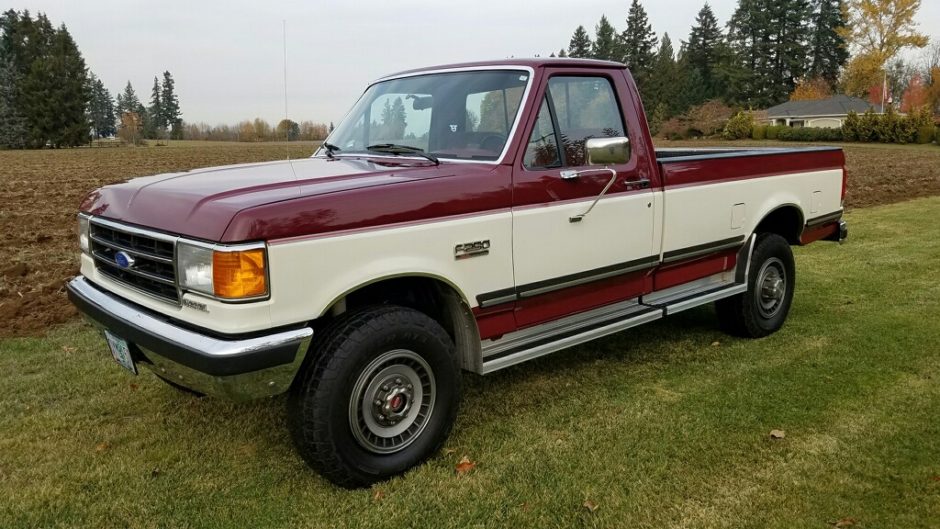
point(123, 260)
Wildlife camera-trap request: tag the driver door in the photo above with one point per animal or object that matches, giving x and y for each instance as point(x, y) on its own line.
point(562, 265)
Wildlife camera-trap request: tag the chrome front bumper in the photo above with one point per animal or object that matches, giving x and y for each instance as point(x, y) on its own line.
point(236, 368)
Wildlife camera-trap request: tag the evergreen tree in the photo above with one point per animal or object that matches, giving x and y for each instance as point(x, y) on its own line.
point(580, 45)
point(127, 101)
point(170, 109)
point(154, 124)
point(665, 82)
point(12, 123)
point(770, 44)
point(704, 53)
point(562, 53)
point(100, 109)
point(638, 44)
point(828, 50)
point(605, 47)
point(51, 93)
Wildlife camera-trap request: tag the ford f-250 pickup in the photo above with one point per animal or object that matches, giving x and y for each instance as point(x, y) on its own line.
point(470, 216)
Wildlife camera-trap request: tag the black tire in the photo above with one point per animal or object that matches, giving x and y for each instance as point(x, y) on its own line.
point(761, 311)
point(322, 406)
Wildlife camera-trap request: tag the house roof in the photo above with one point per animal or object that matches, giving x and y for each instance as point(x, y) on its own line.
point(839, 105)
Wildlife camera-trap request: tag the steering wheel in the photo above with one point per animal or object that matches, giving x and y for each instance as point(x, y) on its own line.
point(493, 142)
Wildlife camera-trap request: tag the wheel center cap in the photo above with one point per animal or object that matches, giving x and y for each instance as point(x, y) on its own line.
point(393, 402)
point(773, 288)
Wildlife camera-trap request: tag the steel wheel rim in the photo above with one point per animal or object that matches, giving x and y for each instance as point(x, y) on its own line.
point(392, 401)
point(771, 287)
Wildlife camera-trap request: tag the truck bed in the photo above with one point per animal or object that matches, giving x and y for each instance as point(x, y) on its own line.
point(685, 166)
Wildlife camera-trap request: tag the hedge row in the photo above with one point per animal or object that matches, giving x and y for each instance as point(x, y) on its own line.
point(779, 132)
point(916, 127)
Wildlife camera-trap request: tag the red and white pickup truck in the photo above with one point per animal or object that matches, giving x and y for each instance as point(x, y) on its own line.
point(470, 216)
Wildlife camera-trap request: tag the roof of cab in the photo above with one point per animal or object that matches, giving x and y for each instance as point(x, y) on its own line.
point(536, 62)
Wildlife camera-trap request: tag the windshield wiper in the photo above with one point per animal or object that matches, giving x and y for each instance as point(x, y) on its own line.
point(330, 149)
point(393, 148)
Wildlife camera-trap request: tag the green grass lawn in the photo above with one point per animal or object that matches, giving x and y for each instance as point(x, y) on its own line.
point(662, 426)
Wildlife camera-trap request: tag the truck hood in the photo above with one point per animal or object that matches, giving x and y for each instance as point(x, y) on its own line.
point(202, 202)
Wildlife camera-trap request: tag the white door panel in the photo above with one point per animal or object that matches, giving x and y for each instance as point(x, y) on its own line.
point(546, 245)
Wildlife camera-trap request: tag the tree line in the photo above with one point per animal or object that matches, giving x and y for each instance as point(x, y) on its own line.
point(49, 98)
point(765, 54)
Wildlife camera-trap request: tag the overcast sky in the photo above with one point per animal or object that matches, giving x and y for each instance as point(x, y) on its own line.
point(227, 55)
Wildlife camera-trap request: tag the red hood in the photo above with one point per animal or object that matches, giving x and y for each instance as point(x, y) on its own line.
point(202, 203)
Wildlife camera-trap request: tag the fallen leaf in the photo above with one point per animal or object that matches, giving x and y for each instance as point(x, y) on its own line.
point(525, 506)
point(716, 343)
point(155, 472)
point(777, 434)
point(68, 349)
point(935, 478)
point(132, 386)
point(845, 522)
point(591, 506)
point(378, 495)
point(101, 447)
point(465, 465)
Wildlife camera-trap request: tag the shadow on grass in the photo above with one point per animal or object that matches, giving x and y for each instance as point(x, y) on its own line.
point(655, 343)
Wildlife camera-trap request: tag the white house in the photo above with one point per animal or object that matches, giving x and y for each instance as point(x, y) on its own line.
point(820, 113)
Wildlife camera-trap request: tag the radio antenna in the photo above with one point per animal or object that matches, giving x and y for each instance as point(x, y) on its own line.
point(286, 114)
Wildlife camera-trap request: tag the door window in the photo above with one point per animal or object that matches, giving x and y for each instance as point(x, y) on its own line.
point(542, 149)
point(585, 107)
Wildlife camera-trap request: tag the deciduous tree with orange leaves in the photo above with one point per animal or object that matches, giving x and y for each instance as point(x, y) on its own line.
point(811, 89)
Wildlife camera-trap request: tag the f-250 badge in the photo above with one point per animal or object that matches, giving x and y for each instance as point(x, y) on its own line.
point(471, 249)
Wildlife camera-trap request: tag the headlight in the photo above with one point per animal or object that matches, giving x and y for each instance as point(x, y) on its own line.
point(222, 272)
point(83, 239)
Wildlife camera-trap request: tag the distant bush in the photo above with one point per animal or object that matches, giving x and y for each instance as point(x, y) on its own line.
point(759, 132)
point(809, 134)
point(773, 131)
point(739, 127)
point(926, 133)
point(705, 120)
point(672, 129)
point(889, 127)
point(851, 127)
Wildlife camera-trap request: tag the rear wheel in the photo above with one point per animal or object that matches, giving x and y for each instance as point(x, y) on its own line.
point(378, 397)
point(764, 307)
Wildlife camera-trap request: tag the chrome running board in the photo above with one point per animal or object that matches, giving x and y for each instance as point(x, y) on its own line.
point(546, 338)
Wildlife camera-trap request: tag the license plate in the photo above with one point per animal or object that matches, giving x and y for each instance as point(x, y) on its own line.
point(121, 352)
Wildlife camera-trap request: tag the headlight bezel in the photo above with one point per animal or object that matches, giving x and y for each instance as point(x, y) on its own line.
point(84, 233)
point(205, 254)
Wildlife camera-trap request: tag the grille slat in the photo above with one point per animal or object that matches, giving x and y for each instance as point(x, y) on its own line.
point(131, 250)
point(153, 271)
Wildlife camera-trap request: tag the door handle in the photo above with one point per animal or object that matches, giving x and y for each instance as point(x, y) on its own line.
point(570, 175)
point(642, 182)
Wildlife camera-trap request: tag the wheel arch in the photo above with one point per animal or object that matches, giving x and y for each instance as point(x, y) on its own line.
point(786, 220)
point(431, 294)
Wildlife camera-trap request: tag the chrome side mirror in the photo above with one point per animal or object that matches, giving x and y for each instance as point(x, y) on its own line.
point(607, 151)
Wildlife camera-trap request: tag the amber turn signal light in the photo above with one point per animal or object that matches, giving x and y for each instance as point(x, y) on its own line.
point(239, 274)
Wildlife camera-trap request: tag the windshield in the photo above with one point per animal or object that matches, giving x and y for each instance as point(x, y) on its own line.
point(461, 115)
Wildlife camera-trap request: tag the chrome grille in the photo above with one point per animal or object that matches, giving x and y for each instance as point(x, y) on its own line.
point(153, 271)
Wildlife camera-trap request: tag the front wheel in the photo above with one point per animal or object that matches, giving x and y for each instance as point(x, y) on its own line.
point(763, 308)
point(379, 396)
